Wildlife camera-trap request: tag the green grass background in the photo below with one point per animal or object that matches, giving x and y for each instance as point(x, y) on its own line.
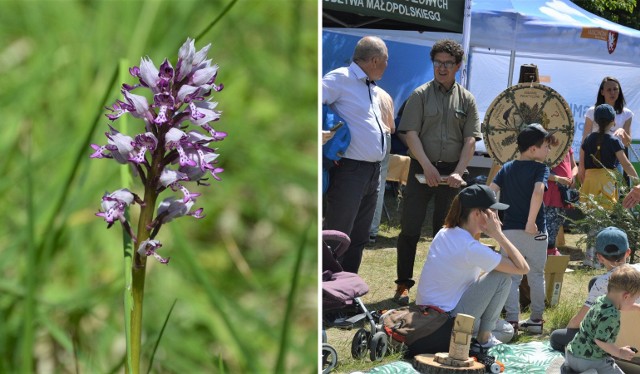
point(232, 273)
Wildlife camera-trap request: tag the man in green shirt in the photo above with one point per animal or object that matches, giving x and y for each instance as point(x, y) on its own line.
point(441, 124)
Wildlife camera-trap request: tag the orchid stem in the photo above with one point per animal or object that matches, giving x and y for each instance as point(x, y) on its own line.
point(138, 268)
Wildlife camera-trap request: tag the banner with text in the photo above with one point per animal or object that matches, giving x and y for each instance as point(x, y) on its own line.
point(446, 15)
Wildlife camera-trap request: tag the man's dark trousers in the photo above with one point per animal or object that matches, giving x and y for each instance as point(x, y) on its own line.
point(415, 199)
point(351, 202)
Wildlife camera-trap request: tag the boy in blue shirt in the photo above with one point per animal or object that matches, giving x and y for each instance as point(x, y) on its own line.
point(521, 184)
point(594, 344)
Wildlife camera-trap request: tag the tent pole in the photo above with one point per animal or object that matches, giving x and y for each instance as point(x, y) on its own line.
point(512, 62)
point(466, 37)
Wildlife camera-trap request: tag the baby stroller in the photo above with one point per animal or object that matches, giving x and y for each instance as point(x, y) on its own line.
point(341, 291)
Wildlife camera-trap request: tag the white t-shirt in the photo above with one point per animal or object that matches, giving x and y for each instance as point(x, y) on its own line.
point(454, 262)
point(599, 287)
point(621, 118)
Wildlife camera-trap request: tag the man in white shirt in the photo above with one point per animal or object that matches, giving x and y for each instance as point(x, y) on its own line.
point(353, 189)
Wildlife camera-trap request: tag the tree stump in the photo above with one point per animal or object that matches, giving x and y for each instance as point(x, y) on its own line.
point(426, 364)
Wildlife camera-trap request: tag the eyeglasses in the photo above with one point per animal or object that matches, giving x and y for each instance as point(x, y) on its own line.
point(446, 64)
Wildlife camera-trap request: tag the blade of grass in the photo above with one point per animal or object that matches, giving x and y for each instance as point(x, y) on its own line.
point(164, 325)
point(127, 243)
point(286, 321)
point(28, 332)
point(213, 23)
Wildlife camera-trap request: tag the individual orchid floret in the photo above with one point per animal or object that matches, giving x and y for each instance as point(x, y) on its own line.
point(113, 207)
point(204, 76)
point(185, 59)
point(206, 163)
point(175, 139)
point(148, 74)
point(149, 248)
point(143, 143)
point(169, 178)
point(140, 105)
point(119, 108)
point(171, 208)
point(164, 102)
point(119, 147)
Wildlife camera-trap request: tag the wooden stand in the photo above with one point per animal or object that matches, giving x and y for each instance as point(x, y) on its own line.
point(457, 360)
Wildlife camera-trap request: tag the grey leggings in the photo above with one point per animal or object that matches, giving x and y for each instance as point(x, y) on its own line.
point(485, 299)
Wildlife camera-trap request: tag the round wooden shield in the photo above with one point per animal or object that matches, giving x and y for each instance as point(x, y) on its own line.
point(522, 105)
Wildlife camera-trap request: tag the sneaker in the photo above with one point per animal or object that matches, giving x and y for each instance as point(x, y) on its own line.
point(372, 239)
point(515, 326)
point(402, 295)
point(532, 326)
point(492, 342)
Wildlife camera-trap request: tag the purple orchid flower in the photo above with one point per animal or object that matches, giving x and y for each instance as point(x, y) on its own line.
point(173, 148)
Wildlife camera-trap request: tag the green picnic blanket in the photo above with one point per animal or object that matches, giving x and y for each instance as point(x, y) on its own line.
point(530, 358)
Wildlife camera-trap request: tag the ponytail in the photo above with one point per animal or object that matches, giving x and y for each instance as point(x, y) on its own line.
point(457, 215)
point(602, 127)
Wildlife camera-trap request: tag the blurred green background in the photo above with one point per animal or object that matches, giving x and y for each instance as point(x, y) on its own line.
point(232, 273)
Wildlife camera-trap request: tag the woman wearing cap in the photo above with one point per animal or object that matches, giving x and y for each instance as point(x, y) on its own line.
point(612, 248)
point(600, 154)
point(458, 275)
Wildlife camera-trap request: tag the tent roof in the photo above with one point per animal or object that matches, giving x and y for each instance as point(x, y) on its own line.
point(551, 26)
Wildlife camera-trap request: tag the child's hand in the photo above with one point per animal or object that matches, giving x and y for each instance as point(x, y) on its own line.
point(531, 228)
point(626, 353)
point(563, 180)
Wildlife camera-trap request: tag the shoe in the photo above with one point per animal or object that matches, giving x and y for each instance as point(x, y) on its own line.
point(532, 326)
point(372, 239)
point(553, 252)
point(515, 326)
point(492, 342)
point(402, 295)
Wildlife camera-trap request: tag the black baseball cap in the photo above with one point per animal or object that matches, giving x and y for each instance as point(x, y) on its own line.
point(480, 196)
point(532, 134)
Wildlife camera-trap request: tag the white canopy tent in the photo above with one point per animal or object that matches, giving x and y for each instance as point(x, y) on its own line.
point(572, 48)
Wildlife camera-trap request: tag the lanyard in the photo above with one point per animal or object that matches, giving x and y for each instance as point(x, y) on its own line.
point(369, 83)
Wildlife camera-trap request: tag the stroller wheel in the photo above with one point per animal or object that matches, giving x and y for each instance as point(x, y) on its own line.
point(329, 358)
point(360, 343)
point(378, 346)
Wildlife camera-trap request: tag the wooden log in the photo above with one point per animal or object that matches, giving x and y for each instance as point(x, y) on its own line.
point(426, 364)
point(461, 337)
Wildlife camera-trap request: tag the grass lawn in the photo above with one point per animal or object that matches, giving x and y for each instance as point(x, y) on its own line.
point(378, 270)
